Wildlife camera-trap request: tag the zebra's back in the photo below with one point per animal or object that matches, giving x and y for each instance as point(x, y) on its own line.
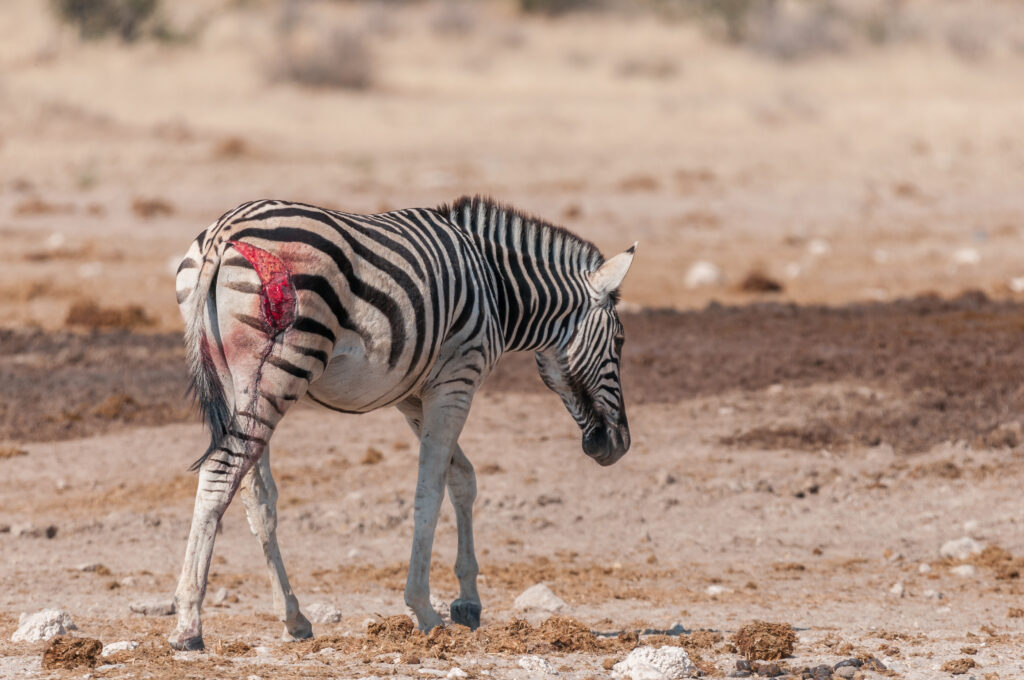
point(377, 298)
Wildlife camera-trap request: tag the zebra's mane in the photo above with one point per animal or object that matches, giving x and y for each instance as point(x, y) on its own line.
point(536, 226)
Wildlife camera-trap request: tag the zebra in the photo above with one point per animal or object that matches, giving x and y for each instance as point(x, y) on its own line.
point(410, 308)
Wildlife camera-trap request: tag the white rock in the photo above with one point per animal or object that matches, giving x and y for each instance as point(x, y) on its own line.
point(540, 597)
point(716, 590)
point(536, 664)
point(702, 274)
point(108, 667)
point(648, 663)
point(966, 256)
point(442, 607)
point(55, 240)
point(43, 625)
point(924, 568)
point(219, 597)
point(1017, 284)
point(153, 607)
point(433, 672)
point(457, 672)
point(817, 247)
point(896, 667)
point(122, 646)
point(933, 594)
point(897, 589)
point(320, 612)
point(963, 570)
point(961, 548)
point(262, 650)
point(971, 527)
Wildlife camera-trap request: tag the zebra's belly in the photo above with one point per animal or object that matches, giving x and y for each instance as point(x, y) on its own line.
point(355, 383)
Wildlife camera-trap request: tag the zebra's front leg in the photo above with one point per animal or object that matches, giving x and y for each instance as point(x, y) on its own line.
point(259, 494)
point(441, 425)
point(462, 491)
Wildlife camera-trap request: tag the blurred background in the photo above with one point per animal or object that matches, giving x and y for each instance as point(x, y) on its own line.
point(805, 150)
point(823, 366)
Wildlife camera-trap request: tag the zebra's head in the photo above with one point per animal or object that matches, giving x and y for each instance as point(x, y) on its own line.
point(583, 368)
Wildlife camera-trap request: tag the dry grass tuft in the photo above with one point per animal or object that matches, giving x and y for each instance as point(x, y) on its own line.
point(959, 666)
point(759, 282)
point(89, 314)
point(147, 208)
point(372, 456)
point(11, 452)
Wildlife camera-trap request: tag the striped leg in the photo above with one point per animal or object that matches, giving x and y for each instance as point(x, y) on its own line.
point(461, 482)
point(266, 399)
point(219, 477)
point(259, 494)
point(462, 491)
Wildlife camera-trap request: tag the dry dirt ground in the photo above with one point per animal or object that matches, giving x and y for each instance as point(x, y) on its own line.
point(799, 452)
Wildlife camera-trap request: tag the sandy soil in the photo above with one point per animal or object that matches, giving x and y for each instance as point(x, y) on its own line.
point(802, 450)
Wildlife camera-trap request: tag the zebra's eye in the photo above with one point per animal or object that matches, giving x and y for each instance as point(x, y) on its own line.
point(619, 339)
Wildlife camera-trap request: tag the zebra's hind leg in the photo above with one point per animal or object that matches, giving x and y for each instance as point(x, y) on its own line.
point(219, 477)
point(462, 491)
point(259, 494)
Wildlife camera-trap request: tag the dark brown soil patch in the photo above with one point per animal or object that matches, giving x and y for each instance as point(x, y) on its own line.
point(949, 370)
point(764, 641)
point(71, 652)
point(63, 385)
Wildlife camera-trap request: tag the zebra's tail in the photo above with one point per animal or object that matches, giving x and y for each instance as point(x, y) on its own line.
point(195, 280)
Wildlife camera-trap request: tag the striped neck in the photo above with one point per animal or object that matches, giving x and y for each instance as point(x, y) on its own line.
point(539, 270)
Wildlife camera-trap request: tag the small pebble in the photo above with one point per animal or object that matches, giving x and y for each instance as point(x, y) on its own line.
point(897, 589)
point(924, 568)
point(961, 548)
point(821, 672)
point(153, 607)
point(846, 672)
point(963, 570)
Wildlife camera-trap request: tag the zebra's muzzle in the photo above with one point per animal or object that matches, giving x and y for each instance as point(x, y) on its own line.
point(606, 445)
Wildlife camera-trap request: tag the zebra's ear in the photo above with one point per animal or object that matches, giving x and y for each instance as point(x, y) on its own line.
point(608, 277)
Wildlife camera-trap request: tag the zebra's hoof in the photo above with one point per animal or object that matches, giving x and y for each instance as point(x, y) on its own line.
point(192, 644)
point(466, 613)
point(301, 629)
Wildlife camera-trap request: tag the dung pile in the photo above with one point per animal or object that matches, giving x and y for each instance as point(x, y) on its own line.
point(764, 641)
point(71, 652)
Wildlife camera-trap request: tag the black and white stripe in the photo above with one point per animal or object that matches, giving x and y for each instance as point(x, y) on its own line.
point(410, 308)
